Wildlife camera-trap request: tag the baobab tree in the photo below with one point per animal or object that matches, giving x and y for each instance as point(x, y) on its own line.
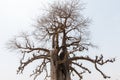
point(59, 37)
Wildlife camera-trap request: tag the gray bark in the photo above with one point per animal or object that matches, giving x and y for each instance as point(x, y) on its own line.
point(57, 71)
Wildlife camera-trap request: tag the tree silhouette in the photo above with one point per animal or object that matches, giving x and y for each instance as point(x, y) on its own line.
point(59, 37)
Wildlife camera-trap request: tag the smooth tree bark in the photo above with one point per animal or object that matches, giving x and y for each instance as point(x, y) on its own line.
point(60, 36)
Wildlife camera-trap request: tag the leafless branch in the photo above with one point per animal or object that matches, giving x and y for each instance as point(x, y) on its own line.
point(97, 60)
point(24, 64)
point(80, 65)
point(79, 74)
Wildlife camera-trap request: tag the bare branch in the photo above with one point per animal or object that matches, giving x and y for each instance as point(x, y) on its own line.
point(101, 71)
point(80, 65)
point(40, 69)
point(79, 74)
point(24, 64)
point(97, 60)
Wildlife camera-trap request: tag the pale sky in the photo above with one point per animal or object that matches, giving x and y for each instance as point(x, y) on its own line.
point(20, 15)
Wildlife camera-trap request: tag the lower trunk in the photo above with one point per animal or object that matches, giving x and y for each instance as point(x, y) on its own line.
point(63, 75)
point(59, 72)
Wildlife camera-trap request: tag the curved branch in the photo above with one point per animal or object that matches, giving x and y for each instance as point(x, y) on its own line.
point(101, 72)
point(82, 58)
point(24, 64)
point(40, 69)
point(39, 49)
point(97, 60)
point(79, 74)
point(80, 65)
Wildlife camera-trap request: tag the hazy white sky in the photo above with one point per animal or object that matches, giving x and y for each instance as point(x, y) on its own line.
point(20, 15)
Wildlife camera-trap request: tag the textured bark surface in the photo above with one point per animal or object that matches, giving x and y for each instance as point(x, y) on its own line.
point(53, 66)
point(59, 71)
point(53, 71)
point(57, 74)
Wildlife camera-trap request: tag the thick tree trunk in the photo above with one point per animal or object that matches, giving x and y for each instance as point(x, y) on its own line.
point(63, 75)
point(58, 74)
point(53, 65)
point(53, 71)
point(58, 71)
